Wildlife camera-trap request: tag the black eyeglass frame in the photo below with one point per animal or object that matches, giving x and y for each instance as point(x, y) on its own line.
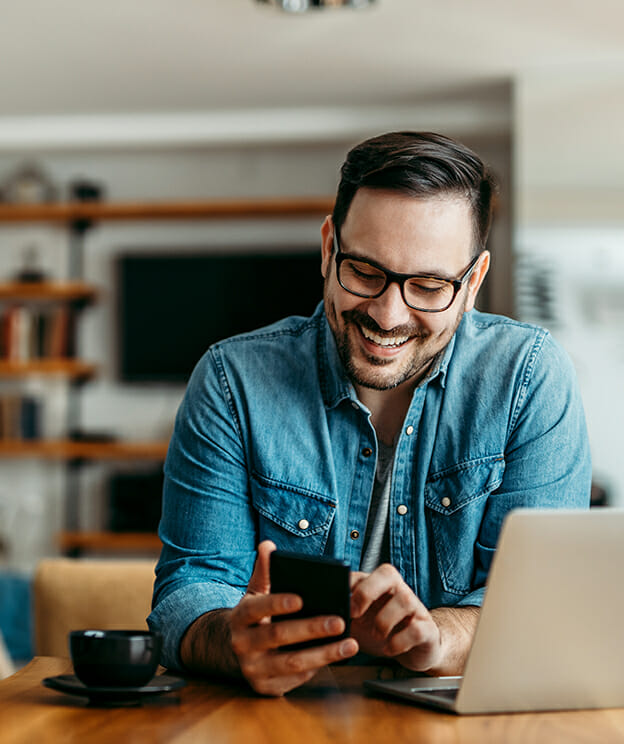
point(400, 279)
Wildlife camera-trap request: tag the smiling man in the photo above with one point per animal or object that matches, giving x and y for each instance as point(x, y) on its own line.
point(394, 429)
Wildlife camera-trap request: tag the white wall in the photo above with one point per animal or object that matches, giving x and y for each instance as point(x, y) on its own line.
point(570, 210)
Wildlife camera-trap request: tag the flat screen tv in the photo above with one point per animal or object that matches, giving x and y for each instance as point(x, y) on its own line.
point(172, 306)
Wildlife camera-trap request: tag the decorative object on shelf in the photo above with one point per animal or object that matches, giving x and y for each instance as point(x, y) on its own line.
point(86, 190)
point(30, 271)
point(29, 184)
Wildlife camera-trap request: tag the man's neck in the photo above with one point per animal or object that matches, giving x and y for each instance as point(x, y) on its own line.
point(388, 409)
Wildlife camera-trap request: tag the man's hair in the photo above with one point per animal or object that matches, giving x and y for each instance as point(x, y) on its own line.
point(421, 164)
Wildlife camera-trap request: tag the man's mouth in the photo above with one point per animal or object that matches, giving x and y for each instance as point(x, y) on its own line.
point(388, 342)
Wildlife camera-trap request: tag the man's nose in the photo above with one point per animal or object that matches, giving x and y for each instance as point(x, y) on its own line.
point(389, 309)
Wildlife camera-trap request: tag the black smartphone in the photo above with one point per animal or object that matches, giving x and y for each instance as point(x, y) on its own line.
point(322, 583)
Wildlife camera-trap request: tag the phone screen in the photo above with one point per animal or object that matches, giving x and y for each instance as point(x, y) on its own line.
point(322, 583)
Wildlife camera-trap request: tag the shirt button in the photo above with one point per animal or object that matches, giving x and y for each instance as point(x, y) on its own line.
point(303, 524)
point(354, 534)
point(355, 405)
point(401, 509)
point(410, 430)
point(446, 501)
point(367, 451)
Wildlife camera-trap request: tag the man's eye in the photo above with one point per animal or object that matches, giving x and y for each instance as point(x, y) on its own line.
point(364, 272)
point(425, 287)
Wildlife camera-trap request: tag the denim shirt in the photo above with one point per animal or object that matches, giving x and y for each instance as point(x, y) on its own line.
point(271, 441)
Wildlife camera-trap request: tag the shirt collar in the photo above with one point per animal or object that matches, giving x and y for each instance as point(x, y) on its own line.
point(336, 386)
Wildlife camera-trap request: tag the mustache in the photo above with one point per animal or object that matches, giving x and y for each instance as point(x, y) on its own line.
point(413, 330)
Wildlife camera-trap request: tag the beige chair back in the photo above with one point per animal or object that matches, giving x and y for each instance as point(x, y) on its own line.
point(70, 594)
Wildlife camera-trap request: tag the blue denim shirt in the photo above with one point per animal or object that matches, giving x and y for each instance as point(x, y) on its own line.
point(271, 441)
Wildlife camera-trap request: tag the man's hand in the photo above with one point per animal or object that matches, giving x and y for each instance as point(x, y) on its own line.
point(256, 643)
point(388, 619)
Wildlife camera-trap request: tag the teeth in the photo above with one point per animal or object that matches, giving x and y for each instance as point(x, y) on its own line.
point(383, 340)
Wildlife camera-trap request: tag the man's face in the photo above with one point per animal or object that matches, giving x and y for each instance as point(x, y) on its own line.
point(382, 342)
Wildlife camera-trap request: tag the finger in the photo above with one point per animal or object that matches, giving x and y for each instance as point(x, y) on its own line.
point(420, 637)
point(254, 608)
point(260, 582)
point(397, 611)
point(275, 673)
point(276, 635)
point(384, 580)
point(355, 577)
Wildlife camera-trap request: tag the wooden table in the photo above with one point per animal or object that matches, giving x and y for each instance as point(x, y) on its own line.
point(333, 708)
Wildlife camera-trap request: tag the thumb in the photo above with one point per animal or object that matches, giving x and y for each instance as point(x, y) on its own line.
point(260, 581)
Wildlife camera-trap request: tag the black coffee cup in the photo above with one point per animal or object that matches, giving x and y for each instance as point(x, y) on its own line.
point(115, 658)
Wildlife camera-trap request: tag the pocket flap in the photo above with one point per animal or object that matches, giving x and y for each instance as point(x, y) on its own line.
point(451, 489)
point(296, 510)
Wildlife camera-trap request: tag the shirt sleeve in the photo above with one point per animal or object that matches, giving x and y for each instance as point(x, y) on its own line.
point(547, 456)
point(207, 526)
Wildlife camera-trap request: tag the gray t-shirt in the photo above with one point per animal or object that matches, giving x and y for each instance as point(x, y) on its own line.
point(377, 539)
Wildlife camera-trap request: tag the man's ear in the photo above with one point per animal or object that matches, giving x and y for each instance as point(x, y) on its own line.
point(327, 244)
point(476, 280)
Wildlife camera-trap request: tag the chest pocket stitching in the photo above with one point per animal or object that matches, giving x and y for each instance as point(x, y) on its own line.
point(475, 491)
point(319, 514)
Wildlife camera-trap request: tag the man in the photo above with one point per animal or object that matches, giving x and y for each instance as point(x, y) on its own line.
point(395, 428)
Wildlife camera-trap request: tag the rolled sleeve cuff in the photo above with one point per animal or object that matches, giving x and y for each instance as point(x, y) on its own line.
point(473, 599)
point(174, 613)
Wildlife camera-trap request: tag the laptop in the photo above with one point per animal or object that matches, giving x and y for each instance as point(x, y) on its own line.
point(550, 634)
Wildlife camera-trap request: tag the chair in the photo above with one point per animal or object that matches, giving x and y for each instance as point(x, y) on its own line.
point(70, 594)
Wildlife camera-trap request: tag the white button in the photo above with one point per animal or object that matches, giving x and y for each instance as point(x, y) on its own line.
point(409, 430)
point(355, 405)
point(303, 524)
point(401, 509)
point(446, 501)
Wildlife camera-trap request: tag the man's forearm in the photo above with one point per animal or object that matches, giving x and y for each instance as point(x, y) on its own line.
point(206, 646)
point(457, 626)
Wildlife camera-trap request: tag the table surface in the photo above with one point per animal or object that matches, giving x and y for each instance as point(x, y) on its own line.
point(333, 708)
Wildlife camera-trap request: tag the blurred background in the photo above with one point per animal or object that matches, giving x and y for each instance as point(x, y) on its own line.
point(151, 116)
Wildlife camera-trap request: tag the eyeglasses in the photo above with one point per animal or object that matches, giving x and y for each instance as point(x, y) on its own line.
point(429, 294)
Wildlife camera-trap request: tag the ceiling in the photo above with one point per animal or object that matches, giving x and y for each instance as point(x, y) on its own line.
point(128, 56)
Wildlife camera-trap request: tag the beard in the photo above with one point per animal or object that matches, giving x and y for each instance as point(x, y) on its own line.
point(383, 373)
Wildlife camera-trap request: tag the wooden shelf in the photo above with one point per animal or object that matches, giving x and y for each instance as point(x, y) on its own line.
point(48, 291)
point(185, 210)
point(63, 449)
point(113, 542)
point(73, 369)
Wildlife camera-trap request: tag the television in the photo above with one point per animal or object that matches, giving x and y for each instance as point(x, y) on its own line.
point(171, 306)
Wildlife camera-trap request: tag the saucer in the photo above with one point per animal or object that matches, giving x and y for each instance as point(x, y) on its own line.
point(70, 684)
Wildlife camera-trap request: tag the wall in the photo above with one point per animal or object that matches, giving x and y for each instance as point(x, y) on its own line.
point(569, 202)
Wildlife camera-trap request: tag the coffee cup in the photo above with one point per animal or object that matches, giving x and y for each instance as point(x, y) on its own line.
point(114, 658)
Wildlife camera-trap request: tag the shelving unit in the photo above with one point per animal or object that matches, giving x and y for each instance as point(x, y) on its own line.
point(79, 217)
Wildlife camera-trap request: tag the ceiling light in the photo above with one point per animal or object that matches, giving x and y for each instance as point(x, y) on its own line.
point(301, 6)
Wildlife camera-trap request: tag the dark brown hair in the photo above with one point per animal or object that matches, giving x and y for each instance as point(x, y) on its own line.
point(422, 164)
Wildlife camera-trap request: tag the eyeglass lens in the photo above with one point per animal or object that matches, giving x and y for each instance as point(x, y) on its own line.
point(420, 293)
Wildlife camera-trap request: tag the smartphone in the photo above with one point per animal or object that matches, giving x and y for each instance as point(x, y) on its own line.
point(322, 583)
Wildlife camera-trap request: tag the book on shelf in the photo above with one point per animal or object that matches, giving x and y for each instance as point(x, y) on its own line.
point(20, 417)
point(37, 333)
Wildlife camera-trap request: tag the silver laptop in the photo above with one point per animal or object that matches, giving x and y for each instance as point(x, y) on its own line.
point(551, 630)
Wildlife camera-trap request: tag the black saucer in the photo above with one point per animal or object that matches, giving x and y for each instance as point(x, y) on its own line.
point(70, 684)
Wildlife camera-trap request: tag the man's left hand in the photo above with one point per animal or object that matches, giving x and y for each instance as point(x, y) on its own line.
point(388, 619)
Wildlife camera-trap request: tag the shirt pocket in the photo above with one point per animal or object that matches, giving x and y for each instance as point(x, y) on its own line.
point(455, 500)
point(295, 518)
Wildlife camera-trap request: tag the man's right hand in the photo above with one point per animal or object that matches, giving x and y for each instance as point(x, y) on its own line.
point(259, 644)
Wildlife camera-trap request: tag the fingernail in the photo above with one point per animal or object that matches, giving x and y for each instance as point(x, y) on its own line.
point(290, 603)
point(333, 625)
point(348, 648)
